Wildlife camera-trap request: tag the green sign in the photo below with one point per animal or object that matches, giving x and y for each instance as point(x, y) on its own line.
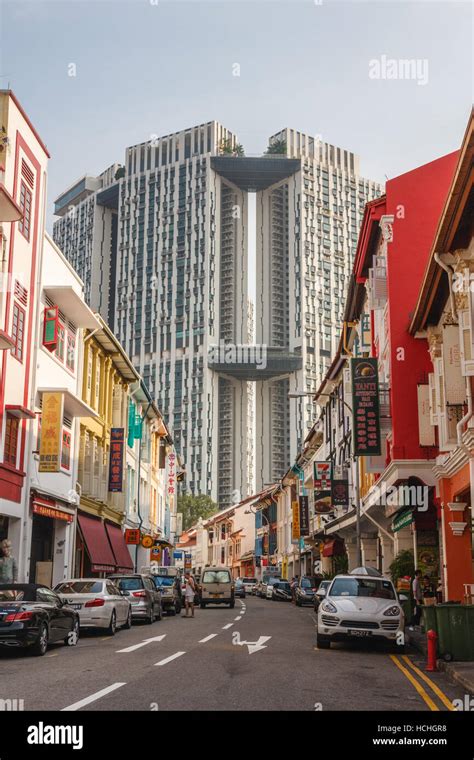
point(402, 520)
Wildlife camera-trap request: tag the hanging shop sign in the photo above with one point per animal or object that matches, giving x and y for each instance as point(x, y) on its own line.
point(117, 443)
point(340, 492)
point(51, 432)
point(132, 536)
point(147, 542)
point(55, 514)
point(365, 407)
point(322, 487)
point(188, 561)
point(295, 526)
point(402, 520)
point(304, 515)
point(155, 554)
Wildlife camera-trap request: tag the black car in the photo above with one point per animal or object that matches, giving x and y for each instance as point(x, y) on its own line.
point(306, 590)
point(281, 591)
point(32, 615)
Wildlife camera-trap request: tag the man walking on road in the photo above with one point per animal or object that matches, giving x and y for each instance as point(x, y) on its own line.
point(189, 593)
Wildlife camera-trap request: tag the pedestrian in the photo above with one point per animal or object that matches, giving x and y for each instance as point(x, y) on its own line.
point(189, 592)
point(417, 598)
point(8, 566)
point(294, 584)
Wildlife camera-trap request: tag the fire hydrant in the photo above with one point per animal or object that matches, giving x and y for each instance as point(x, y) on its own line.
point(432, 638)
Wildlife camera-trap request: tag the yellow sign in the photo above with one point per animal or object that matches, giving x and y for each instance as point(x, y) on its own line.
point(51, 432)
point(147, 542)
point(295, 529)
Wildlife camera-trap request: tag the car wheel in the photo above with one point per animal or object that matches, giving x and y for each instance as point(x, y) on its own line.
point(159, 615)
point(323, 643)
point(178, 608)
point(232, 604)
point(112, 625)
point(73, 636)
point(41, 644)
point(128, 624)
point(298, 603)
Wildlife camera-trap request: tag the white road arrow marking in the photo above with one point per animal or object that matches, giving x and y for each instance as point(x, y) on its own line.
point(253, 646)
point(141, 644)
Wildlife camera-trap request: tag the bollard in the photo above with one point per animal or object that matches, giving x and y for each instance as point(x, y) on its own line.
point(431, 637)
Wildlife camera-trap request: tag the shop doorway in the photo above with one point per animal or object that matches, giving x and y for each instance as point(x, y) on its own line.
point(42, 544)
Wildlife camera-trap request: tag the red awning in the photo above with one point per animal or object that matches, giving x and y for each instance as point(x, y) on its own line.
point(333, 548)
point(123, 559)
point(97, 544)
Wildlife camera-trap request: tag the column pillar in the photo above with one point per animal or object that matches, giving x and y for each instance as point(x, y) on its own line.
point(369, 552)
point(387, 546)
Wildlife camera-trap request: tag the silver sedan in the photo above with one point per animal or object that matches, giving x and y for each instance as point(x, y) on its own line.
point(98, 602)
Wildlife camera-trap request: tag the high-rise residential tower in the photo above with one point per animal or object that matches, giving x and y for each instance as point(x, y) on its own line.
point(170, 273)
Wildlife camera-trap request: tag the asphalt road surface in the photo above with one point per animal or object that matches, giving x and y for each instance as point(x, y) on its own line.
point(259, 656)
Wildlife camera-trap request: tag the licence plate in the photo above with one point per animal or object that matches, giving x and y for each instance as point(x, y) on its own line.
point(219, 594)
point(359, 633)
point(76, 606)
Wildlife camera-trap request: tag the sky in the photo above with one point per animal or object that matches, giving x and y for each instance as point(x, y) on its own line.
point(151, 67)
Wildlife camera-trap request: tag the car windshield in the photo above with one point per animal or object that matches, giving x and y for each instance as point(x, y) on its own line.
point(369, 587)
point(272, 581)
point(216, 576)
point(80, 587)
point(161, 581)
point(128, 584)
point(284, 586)
point(308, 582)
point(239, 583)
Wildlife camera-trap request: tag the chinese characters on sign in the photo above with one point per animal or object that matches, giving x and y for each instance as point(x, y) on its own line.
point(132, 536)
point(171, 478)
point(117, 438)
point(365, 407)
point(51, 432)
point(304, 515)
point(295, 526)
point(340, 492)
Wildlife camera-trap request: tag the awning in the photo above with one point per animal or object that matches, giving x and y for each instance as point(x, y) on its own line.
point(402, 519)
point(247, 557)
point(333, 548)
point(122, 556)
point(97, 544)
point(21, 412)
point(73, 405)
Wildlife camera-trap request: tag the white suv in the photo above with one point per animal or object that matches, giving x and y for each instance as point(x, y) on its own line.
point(360, 606)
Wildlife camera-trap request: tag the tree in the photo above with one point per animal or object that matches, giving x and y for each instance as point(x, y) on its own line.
point(194, 507)
point(402, 565)
point(277, 146)
point(228, 149)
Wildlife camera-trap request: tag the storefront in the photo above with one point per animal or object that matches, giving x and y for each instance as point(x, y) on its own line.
point(457, 536)
point(94, 555)
point(52, 533)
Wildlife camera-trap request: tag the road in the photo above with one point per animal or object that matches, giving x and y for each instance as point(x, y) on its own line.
point(199, 664)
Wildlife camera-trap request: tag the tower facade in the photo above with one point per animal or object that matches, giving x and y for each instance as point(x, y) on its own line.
point(162, 245)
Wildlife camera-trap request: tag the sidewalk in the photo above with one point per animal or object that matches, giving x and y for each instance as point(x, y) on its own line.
point(461, 673)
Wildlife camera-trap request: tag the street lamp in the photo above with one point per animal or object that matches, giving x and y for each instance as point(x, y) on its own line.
point(250, 511)
point(302, 394)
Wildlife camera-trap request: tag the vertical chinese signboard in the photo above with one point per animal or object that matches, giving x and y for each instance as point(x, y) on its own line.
point(304, 515)
point(322, 487)
point(51, 432)
point(365, 407)
point(295, 510)
point(117, 442)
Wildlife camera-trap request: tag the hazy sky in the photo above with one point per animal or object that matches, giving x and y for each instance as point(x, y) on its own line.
point(148, 67)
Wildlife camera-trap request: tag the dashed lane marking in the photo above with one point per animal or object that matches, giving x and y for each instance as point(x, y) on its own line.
point(239, 617)
point(168, 659)
point(208, 638)
point(229, 625)
point(93, 697)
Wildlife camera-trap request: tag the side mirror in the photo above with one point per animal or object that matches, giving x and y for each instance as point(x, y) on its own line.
point(402, 598)
point(321, 592)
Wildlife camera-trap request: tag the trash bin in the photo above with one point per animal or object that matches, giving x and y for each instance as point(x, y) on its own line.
point(429, 618)
point(455, 629)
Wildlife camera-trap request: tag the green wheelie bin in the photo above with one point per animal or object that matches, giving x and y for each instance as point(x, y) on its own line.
point(429, 618)
point(455, 629)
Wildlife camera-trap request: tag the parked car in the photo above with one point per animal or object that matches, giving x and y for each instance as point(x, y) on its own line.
point(32, 615)
point(239, 589)
point(144, 597)
point(98, 601)
point(268, 585)
point(281, 591)
point(217, 587)
point(305, 590)
point(320, 594)
point(170, 590)
point(358, 606)
point(249, 585)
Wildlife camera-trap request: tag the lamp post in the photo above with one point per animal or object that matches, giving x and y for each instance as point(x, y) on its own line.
point(302, 394)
